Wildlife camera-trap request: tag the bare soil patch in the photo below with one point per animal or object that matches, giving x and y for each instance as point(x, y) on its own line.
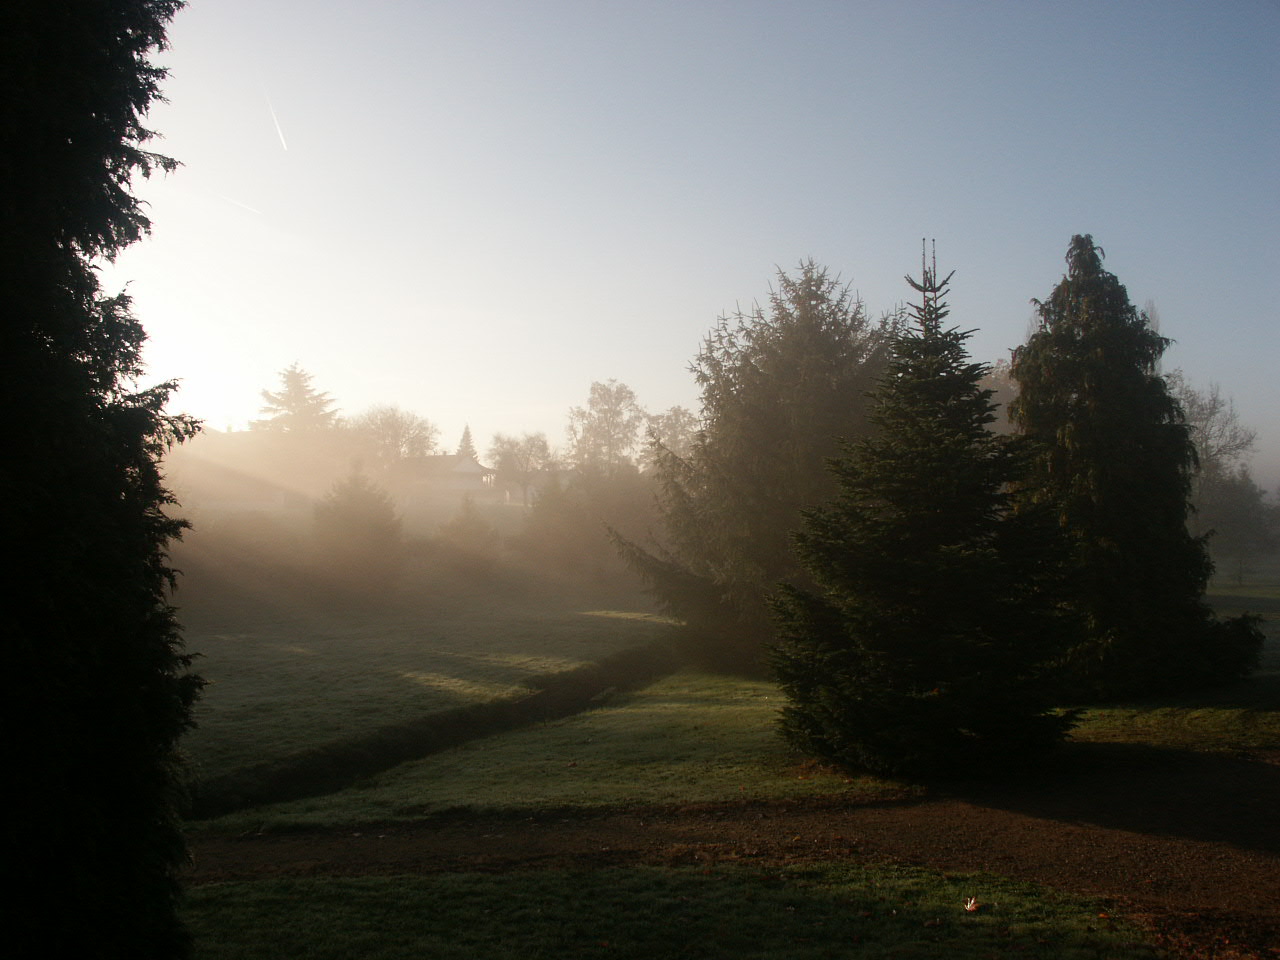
point(1187, 844)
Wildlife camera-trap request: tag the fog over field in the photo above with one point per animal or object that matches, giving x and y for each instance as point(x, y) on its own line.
point(474, 212)
point(808, 470)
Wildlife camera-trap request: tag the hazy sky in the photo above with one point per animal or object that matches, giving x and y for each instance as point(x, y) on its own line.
point(474, 209)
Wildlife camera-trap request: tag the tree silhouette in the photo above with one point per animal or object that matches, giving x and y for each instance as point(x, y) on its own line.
point(389, 434)
point(604, 434)
point(359, 535)
point(924, 650)
point(95, 681)
point(467, 447)
point(297, 407)
point(779, 387)
point(520, 461)
point(1115, 459)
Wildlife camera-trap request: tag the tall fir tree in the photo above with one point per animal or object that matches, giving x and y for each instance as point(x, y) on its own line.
point(466, 448)
point(95, 681)
point(923, 651)
point(1115, 463)
point(779, 387)
point(297, 407)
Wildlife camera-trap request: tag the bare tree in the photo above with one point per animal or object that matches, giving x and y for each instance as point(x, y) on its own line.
point(520, 460)
point(1222, 442)
point(390, 434)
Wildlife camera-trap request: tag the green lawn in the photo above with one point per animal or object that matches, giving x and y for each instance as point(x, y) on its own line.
point(689, 738)
point(288, 675)
point(826, 910)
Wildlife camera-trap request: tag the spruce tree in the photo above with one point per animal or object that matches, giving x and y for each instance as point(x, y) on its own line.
point(96, 686)
point(297, 407)
point(1115, 461)
point(466, 448)
point(922, 651)
point(779, 387)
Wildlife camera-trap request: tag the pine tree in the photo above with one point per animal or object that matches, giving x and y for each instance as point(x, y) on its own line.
point(96, 685)
point(1115, 463)
point(923, 650)
point(298, 407)
point(466, 448)
point(359, 536)
point(778, 390)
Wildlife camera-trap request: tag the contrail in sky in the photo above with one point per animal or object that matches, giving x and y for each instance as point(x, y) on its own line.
point(276, 121)
point(245, 206)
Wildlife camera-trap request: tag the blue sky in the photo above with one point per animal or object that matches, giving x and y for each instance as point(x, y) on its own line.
point(475, 209)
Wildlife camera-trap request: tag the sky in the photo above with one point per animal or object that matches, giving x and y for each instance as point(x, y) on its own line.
point(474, 209)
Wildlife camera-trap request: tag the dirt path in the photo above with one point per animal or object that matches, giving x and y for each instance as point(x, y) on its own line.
point(1187, 844)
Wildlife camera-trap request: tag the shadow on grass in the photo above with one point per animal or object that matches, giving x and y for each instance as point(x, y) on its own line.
point(340, 763)
point(1152, 790)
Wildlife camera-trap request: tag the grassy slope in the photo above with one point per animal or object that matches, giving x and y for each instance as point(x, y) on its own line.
point(286, 673)
point(688, 738)
point(685, 739)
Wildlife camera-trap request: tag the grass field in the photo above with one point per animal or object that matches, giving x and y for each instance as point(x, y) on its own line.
point(688, 738)
point(286, 674)
point(648, 912)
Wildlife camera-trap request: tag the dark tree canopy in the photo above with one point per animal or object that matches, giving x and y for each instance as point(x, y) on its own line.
point(925, 646)
point(96, 682)
point(1115, 463)
point(779, 386)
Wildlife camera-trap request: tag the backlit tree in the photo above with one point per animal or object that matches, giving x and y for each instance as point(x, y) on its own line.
point(780, 385)
point(96, 685)
point(1115, 460)
point(297, 407)
point(924, 648)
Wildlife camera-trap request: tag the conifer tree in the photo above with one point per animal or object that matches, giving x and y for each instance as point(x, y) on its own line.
point(922, 650)
point(96, 686)
point(779, 386)
point(1114, 462)
point(297, 407)
point(466, 448)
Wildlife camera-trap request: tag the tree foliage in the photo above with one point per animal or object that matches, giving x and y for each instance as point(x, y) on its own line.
point(924, 648)
point(96, 682)
point(470, 541)
point(466, 448)
point(605, 434)
point(520, 461)
point(359, 535)
point(672, 431)
point(779, 386)
point(297, 407)
point(1115, 463)
point(388, 434)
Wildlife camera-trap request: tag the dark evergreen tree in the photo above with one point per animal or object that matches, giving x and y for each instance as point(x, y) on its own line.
point(1115, 464)
point(778, 389)
point(297, 407)
point(96, 686)
point(923, 651)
